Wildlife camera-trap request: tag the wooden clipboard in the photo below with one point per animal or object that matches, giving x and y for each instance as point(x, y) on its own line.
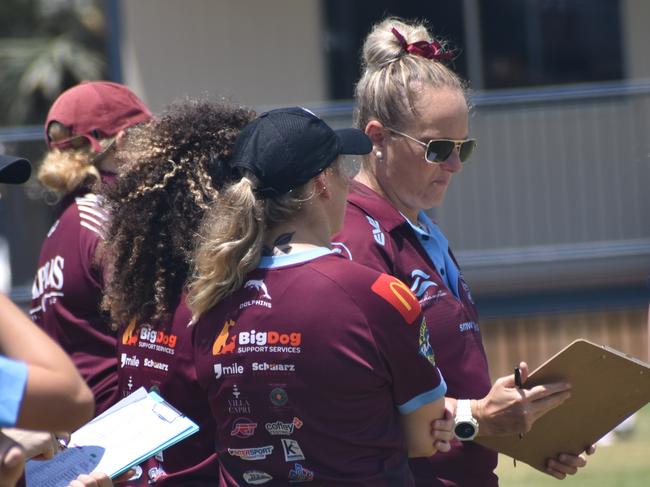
point(607, 386)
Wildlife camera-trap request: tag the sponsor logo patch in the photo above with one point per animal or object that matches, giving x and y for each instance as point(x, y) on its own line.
point(292, 450)
point(469, 326)
point(243, 428)
point(256, 477)
point(466, 288)
point(129, 361)
point(398, 295)
point(255, 341)
point(237, 404)
point(377, 234)
point(300, 474)
point(279, 396)
point(147, 337)
point(223, 370)
point(263, 297)
point(426, 350)
point(278, 428)
point(270, 368)
point(423, 288)
point(250, 454)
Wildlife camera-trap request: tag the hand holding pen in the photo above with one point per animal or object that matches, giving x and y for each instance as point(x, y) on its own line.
point(509, 409)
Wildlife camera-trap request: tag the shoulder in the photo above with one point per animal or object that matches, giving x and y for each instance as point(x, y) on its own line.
point(92, 216)
point(375, 293)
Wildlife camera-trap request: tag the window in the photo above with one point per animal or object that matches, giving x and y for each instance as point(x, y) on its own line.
point(542, 42)
point(347, 24)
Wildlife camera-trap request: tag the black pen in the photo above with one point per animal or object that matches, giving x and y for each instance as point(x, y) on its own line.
point(518, 384)
point(518, 377)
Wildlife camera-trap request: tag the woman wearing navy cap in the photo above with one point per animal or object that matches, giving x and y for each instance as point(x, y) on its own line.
point(415, 111)
point(317, 369)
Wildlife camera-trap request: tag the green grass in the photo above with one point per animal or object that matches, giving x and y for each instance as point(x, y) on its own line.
point(625, 463)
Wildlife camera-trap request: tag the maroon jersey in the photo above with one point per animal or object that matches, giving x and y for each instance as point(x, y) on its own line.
point(160, 358)
point(377, 235)
point(67, 292)
point(308, 367)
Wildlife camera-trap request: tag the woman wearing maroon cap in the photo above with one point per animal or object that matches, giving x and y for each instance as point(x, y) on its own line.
point(81, 129)
point(415, 111)
point(173, 168)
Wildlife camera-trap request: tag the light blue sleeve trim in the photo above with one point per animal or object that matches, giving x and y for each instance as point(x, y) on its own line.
point(272, 261)
point(425, 398)
point(13, 380)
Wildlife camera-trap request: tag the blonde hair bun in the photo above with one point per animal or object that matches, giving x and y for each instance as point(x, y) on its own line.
point(382, 46)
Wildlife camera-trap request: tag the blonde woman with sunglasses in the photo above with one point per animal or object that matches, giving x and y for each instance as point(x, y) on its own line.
point(414, 110)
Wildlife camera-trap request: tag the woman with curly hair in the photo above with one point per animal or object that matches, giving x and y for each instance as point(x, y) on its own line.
point(172, 169)
point(83, 128)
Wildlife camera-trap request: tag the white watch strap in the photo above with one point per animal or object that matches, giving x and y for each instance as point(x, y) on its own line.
point(463, 408)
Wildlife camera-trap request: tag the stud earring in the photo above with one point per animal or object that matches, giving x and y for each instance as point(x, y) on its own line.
point(379, 154)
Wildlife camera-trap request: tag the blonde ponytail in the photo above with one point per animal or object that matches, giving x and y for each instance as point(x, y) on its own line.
point(230, 244)
point(230, 248)
point(62, 172)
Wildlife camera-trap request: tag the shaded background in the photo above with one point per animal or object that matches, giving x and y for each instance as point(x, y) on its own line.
point(550, 219)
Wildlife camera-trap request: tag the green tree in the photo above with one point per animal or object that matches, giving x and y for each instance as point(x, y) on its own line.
point(46, 47)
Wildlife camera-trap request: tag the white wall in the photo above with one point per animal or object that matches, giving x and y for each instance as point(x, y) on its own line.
point(258, 52)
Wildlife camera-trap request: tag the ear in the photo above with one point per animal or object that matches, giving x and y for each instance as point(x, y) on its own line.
point(320, 186)
point(119, 139)
point(377, 134)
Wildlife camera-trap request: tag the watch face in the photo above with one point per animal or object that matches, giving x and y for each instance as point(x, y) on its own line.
point(464, 430)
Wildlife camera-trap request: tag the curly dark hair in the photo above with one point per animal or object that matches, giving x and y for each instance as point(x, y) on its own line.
point(172, 168)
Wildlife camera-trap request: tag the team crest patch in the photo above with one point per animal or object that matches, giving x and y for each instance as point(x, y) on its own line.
point(426, 350)
point(398, 295)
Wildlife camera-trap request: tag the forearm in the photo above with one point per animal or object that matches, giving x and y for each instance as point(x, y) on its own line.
point(56, 397)
point(418, 430)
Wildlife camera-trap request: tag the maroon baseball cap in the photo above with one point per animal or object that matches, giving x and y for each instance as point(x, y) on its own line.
point(95, 110)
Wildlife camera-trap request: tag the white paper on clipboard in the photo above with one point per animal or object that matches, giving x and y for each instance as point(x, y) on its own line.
point(132, 431)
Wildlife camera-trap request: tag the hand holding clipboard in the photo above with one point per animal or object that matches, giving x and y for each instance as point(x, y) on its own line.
point(606, 387)
point(125, 435)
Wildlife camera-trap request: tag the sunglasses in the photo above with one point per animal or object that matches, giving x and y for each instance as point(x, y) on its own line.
point(75, 142)
point(439, 150)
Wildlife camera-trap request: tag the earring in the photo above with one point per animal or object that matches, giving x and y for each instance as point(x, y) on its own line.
point(379, 154)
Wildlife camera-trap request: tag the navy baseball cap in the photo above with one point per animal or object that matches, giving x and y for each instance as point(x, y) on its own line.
point(14, 170)
point(286, 147)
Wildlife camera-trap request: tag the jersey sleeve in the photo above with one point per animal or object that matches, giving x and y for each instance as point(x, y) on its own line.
point(402, 338)
point(13, 380)
point(363, 240)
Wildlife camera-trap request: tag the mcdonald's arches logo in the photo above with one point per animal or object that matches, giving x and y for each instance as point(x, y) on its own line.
point(398, 295)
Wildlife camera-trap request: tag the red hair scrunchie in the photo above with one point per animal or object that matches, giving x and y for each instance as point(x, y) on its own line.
point(429, 50)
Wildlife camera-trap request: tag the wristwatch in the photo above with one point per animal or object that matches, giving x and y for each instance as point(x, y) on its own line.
point(465, 426)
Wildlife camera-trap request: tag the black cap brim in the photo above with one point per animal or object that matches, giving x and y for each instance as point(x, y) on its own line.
point(14, 170)
point(353, 141)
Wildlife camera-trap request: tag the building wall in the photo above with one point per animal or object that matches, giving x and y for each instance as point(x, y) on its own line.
point(255, 52)
point(536, 338)
point(636, 16)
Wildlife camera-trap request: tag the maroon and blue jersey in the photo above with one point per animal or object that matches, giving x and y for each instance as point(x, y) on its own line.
point(308, 367)
point(67, 293)
point(160, 358)
point(377, 235)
